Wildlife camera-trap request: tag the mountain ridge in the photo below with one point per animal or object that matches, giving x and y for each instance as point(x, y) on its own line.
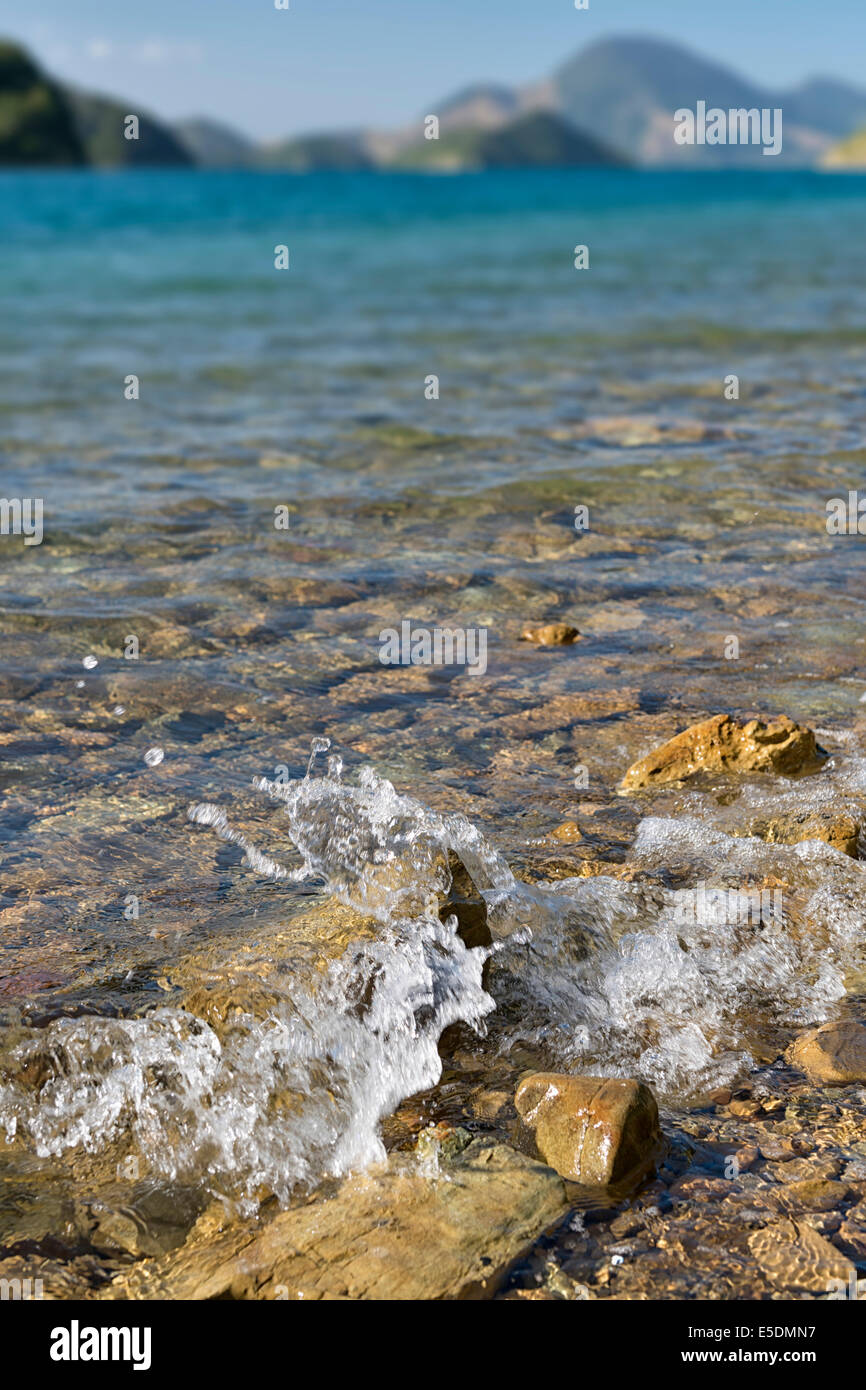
point(36, 123)
point(611, 102)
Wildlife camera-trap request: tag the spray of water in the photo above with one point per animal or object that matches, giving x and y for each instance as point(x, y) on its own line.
point(289, 1099)
point(596, 974)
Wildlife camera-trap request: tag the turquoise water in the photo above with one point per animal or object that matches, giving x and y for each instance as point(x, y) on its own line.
point(171, 276)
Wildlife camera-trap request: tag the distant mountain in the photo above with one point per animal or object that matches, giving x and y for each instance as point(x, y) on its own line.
point(36, 124)
point(335, 152)
point(626, 90)
point(213, 145)
point(100, 123)
point(848, 154)
point(539, 139)
point(613, 102)
point(832, 107)
point(483, 107)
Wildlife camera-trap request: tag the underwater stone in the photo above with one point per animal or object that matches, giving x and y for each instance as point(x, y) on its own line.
point(794, 1256)
point(464, 901)
point(834, 1055)
point(835, 828)
point(551, 635)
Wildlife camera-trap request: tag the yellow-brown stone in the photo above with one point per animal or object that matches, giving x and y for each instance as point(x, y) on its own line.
point(592, 1130)
point(726, 744)
point(834, 1055)
point(551, 635)
point(836, 828)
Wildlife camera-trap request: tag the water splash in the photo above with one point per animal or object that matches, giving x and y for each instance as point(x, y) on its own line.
point(378, 852)
point(678, 998)
point(284, 1100)
point(598, 975)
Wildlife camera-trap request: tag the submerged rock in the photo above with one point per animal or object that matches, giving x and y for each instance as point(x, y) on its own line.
point(835, 828)
point(794, 1256)
point(811, 1194)
point(593, 1130)
point(551, 635)
point(834, 1055)
point(568, 833)
point(726, 744)
point(387, 1234)
point(851, 1236)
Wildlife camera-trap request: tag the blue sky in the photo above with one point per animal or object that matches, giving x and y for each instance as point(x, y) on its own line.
point(341, 63)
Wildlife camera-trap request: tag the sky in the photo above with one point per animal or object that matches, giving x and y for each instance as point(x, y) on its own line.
point(338, 64)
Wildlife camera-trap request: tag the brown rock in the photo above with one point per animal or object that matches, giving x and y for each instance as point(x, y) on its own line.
point(834, 828)
point(834, 1055)
point(698, 1188)
point(815, 1168)
point(625, 1225)
point(387, 1234)
point(776, 1149)
point(726, 744)
point(794, 1256)
point(813, 1194)
point(591, 1129)
point(851, 1236)
point(568, 833)
point(551, 635)
point(488, 1104)
point(745, 1157)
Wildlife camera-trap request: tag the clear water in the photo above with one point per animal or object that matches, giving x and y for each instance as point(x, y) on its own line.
point(306, 390)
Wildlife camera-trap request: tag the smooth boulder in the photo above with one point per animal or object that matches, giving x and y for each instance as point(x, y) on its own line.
point(593, 1130)
point(834, 1055)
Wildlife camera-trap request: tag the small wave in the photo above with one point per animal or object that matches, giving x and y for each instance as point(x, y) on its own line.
point(285, 1100)
point(598, 974)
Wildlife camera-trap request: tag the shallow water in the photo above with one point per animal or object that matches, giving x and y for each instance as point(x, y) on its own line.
point(306, 390)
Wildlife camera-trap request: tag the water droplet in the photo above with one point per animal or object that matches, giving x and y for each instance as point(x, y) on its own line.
point(335, 767)
point(119, 709)
point(89, 662)
point(318, 745)
point(154, 756)
point(79, 685)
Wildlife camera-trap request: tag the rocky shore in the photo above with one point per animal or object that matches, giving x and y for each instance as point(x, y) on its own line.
point(501, 1181)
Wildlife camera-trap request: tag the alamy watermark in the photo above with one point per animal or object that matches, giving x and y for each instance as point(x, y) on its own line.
point(846, 516)
point(21, 1290)
point(22, 516)
point(738, 126)
point(438, 646)
point(77, 1343)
